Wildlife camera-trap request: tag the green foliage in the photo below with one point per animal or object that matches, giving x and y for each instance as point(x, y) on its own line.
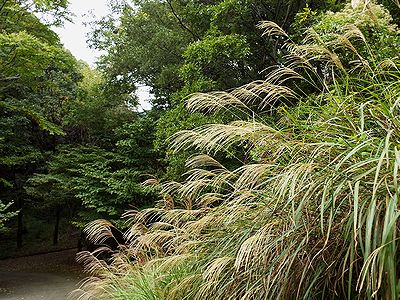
point(43, 123)
point(54, 12)
point(152, 40)
point(200, 58)
point(18, 16)
point(135, 142)
point(143, 48)
point(93, 115)
point(229, 51)
point(377, 28)
point(313, 212)
point(103, 183)
point(104, 180)
point(5, 215)
point(37, 78)
point(23, 57)
point(181, 47)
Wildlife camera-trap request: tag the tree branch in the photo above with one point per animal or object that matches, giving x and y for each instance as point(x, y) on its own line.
point(3, 4)
point(195, 36)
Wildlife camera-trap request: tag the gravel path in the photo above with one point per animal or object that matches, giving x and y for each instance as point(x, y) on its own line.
point(40, 277)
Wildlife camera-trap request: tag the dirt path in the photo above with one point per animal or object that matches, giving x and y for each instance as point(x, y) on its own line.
point(41, 277)
point(35, 286)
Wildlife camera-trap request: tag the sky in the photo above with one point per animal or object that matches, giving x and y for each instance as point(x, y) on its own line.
point(74, 36)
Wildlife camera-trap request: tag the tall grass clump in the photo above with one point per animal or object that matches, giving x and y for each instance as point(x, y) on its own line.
point(312, 212)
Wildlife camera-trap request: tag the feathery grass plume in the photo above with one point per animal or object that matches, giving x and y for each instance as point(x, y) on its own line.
point(98, 231)
point(214, 102)
point(312, 214)
point(272, 29)
point(215, 137)
point(203, 160)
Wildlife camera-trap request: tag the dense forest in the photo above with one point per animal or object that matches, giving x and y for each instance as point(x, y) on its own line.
point(266, 168)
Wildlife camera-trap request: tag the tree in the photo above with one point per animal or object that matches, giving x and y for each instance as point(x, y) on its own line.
point(98, 169)
point(37, 78)
point(53, 12)
point(181, 47)
point(152, 40)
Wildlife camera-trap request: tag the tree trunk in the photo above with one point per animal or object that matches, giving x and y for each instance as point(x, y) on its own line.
point(20, 203)
point(57, 225)
point(20, 227)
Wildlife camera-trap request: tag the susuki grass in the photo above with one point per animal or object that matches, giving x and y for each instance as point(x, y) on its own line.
point(312, 214)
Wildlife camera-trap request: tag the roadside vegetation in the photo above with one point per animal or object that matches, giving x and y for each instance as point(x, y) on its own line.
point(311, 212)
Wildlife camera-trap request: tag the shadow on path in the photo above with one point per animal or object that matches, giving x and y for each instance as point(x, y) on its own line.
point(40, 277)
